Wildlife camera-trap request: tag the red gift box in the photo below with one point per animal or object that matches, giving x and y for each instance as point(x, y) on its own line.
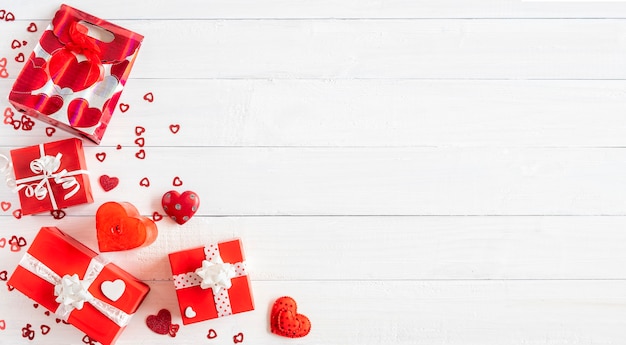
point(211, 281)
point(76, 73)
point(108, 295)
point(51, 176)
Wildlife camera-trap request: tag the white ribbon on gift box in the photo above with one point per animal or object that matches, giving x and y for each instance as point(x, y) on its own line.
point(46, 168)
point(220, 286)
point(68, 299)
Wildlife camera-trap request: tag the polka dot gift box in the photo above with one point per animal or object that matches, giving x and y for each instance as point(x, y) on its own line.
point(211, 281)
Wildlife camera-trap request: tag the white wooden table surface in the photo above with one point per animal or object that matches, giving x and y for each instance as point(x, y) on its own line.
point(411, 172)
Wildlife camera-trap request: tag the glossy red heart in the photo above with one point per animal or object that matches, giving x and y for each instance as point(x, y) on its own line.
point(107, 182)
point(66, 71)
point(119, 226)
point(42, 103)
point(80, 114)
point(33, 76)
point(180, 207)
point(285, 320)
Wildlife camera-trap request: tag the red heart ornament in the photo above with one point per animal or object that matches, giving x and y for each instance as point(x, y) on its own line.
point(141, 154)
point(180, 207)
point(145, 182)
point(107, 182)
point(16, 44)
point(174, 128)
point(119, 226)
point(124, 107)
point(66, 71)
point(285, 320)
point(161, 323)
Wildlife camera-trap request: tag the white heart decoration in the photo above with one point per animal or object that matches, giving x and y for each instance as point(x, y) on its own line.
point(190, 313)
point(113, 290)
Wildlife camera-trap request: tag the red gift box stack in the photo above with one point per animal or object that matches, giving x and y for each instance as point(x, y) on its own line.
point(199, 301)
point(110, 296)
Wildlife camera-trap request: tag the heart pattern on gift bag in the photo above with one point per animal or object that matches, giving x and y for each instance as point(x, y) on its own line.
point(180, 207)
point(285, 320)
point(119, 226)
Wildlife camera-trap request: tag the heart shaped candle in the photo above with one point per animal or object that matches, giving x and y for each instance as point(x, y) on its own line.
point(120, 227)
point(180, 207)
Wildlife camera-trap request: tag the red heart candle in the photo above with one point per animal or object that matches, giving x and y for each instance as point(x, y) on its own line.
point(120, 227)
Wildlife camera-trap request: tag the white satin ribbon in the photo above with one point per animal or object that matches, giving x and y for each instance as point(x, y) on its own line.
point(76, 293)
point(214, 274)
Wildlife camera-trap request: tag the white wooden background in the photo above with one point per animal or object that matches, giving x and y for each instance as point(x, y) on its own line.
point(411, 172)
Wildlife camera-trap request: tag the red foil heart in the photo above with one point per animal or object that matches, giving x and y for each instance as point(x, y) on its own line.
point(180, 207)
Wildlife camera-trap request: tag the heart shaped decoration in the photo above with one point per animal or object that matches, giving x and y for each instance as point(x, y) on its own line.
point(285, 321)
point(3, 242)
point(113, 290)
point(107, 182)
point(119, 226)
point(44, 329)
point(212, 334)
point(3, 325)
point(161, 323)
point(5, 205)
point(180, 207)
point(238, 338)
point(50, 131)
point(3, 276)
point(189, 312)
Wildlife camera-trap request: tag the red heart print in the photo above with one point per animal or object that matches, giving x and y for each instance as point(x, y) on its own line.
point(101, 156)
point(144, 182)
point(141, 154)
point(16, 44)
point(140, 142)
point(3, 242)
point(80, 114)
point(32, 27)
point(285, 321)
point(212, 334)
point(119, 226)
point(238, 338)
point(180, 207)
point(177, 182)
point(50, 131)
point(3, 325)
point(45, 329)
point(124, 107)
point(5, 206)
point(156, 216)
point(67, 71)
point(107, 182)
point(3, 276)
point(57, 214)
point(17, 213)
point(139, 130)
point(174, 128)
point(161, 322)
point(149, 97)
point(9, 17)
point(34, 77)
point(20, 57)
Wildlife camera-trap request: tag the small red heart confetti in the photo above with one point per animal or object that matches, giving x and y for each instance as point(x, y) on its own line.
point(180, 207)
point(50, 131)
point(177, 182)
point(8, 116)
point(87, 340)
point(5, 206)
point(156, 216)
point(35, 305)
point(27, 123)
point(285, 321)
point(238, 338)
point(139, 130)
point(10, 288)
point(32, 27)
point(57, 214)
point(141, 154)
point(161, 323)
point(149, 97)
point(3, 325)
point(47, 312)
point(3, 276)
point(3, 62)
point(4, 73)
point(107, 182)
point(118, 147)
point(212, 334)
point(45, 329)
point(174, 128)
point(16, 44)
point(140, 142)
point(144, 182)
point(27, 332)
point(101, 156)
point(2, 13)
point(9, 17)
point(124, 107)
point(3, 242)
point(17, 213)
point(20, 57)
point(16, 125)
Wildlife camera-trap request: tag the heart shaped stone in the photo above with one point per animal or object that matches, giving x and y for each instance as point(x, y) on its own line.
point(285, 320)
point(180, 207)
point(119, 226)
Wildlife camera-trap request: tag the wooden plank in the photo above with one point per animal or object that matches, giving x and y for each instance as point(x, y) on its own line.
point(398, 312)
point(276, 9)
point(375, 248)
point(401, 49)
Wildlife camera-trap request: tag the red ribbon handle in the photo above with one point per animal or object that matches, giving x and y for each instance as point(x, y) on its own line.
point(83, 44)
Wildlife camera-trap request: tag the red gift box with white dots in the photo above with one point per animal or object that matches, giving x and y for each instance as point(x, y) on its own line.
point(197, 304)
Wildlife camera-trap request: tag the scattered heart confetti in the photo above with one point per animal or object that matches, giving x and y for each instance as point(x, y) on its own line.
point(174, 128)
point(9, 17)
point(139, 130)
point(141, 154)
point(3, 242)
point(180, 207)
point(118, 147)
point(238, 338)
point(50, 131)
point(3, 276)
point(124, 107)
point(2, 13)
point(57, 214)
point(3, 62)
point(8, 116)
point(27, 123)
point(3, 68)
point(177, 182)
point(144, 182)
point(16, 44)
point(212, 334)
point(285, 321)
point(47, 312)
point(156, 216)
point(45, 329)
point(36, 305)
point(20, 57)
point(17, 213)
point(140, 142)
point(10, 288)
point(101, 156)
point(32, 27)
point(161, 323)
point(149, 97)
point(27, 332)
point(3, 325)
point(87, 340)
point(5, 206)
point(108, 182)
